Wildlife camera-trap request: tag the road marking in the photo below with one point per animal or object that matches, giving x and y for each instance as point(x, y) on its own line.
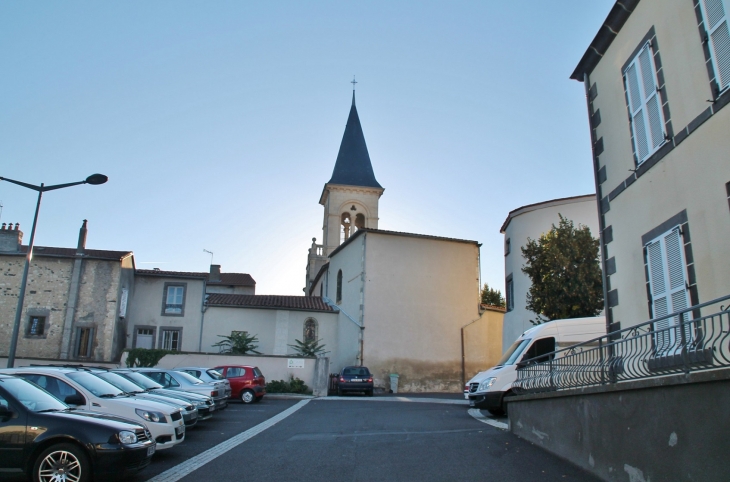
point(477, 414)
point(399, 399)
point(185, 468)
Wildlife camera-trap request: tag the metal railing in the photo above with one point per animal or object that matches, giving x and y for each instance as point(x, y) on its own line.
point(681, 342)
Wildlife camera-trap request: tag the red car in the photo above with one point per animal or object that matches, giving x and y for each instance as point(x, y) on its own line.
point(247, 383)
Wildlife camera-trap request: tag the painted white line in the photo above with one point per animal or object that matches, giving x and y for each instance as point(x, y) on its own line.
point(185, 468)
point(489, 421)
point(446, 401)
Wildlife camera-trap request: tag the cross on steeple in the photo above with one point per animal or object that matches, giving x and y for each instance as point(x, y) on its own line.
point(353, 83)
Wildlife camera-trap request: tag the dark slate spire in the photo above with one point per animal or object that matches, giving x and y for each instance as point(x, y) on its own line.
point(353, 166)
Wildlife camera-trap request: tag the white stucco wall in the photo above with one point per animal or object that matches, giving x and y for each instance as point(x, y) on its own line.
point(418, 293)
point(531, 222)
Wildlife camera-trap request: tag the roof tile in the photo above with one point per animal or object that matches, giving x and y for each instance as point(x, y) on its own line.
point(300, 303)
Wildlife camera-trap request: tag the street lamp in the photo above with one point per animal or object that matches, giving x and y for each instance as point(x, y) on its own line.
point(94, 179)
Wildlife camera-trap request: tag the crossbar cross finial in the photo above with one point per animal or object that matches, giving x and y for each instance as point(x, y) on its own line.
point(353, 82)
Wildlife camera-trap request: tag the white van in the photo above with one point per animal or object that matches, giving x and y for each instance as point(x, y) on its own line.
point(487, 389)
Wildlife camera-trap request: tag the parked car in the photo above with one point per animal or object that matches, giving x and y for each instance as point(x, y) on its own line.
point(79, 388)
point(182, 381)
point(203, 403)
point(247, 383)
point(208, 375)
point(190, 413)
point(488, 389)
point(355, 379)
point(47, 440)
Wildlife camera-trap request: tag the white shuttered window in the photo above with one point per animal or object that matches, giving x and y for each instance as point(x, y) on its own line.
point(645, 107)
point(668, 287)
point(715, 14)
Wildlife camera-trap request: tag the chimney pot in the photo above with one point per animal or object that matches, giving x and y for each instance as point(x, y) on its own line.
point(82, 238)
point(17, 226)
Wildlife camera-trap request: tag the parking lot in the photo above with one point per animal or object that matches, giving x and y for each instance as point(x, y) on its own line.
point(355, 438)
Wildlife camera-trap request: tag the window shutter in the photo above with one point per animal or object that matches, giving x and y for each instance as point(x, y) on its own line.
point(668, 287)
point(647, 121)
point(716, 23)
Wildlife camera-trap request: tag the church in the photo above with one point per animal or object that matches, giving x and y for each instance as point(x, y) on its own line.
point(399, 303)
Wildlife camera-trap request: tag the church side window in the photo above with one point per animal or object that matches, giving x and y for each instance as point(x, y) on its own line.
point(310, 330)
point(339, 287)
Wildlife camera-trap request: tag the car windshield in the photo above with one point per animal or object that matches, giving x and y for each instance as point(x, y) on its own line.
point(513, 352)
point(187, 377)
point(94, 384)
point(140, 380)
point(214, 374)
point(32, 396)
point(120, 382)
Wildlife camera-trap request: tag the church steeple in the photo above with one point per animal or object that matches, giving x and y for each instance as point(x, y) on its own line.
point(353, 167)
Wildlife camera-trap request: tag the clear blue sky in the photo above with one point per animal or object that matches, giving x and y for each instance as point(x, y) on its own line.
point(218, 123)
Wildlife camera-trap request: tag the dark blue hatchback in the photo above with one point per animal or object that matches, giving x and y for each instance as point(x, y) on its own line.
point(355, 379)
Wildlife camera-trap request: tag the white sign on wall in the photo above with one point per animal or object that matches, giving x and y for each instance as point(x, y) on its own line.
point(295, 363)
point(123, 303)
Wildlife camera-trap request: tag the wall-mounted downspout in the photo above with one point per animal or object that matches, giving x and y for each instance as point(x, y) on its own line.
point(203, 308)
point(463, 355)
point(362, 302)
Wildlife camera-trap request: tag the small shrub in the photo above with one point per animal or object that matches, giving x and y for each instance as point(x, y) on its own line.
point(294, 385)
point(144, 357)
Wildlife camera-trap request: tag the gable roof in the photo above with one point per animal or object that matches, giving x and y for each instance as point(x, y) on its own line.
point(399, 233)
point(353, 167)
point(52, 251)
point(616, 19)
point(295, 303)
point(227, 279)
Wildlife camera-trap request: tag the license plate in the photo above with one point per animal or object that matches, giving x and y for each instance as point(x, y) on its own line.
point(355, 380)
point(150, 450)
point(212, 408)
point(180, 430)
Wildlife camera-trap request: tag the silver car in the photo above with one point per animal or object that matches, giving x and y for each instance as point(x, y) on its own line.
point(208, 375)
point(182, 381)
point(203, 403)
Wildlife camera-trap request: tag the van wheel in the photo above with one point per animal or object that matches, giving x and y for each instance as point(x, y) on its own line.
point(62, 462)
point(247, 396)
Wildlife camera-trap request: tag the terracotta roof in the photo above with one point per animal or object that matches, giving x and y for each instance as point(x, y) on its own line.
point(52, 251)
point(399, 233)
point(298, 303)
point(227, 279)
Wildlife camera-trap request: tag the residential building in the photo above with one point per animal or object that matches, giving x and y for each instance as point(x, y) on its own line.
point(530, 222)
point(76, 299)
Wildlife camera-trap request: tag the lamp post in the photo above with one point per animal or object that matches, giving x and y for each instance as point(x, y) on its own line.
point(94, 179)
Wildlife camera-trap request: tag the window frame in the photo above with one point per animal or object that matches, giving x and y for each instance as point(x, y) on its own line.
point(165, 296)
point(170, 329)
point(89, 342)
point(144, 327)
point(316, 329)
point(36, 313)
point(338, 297)
point(509, 292)
point(709, 41)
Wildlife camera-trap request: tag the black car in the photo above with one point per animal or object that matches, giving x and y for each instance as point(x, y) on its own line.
point(355, 379)
point(45, 439)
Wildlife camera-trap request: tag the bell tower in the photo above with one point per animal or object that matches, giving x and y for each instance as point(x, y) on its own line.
point(350, 197)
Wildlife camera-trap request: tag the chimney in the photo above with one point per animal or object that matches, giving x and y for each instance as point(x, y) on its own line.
point(215, 273)
point(10, 239)
point(82, 238)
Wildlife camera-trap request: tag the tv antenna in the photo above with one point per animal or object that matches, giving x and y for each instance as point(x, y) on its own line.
point(211, 255)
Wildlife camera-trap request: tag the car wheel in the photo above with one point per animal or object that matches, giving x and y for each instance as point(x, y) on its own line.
point(62, 462)
point(247, 396)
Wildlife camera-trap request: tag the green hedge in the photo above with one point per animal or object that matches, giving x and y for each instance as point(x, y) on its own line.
point(294, 385)
point(143, 357)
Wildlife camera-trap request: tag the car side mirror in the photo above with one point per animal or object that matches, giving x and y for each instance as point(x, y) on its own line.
point(75, 399)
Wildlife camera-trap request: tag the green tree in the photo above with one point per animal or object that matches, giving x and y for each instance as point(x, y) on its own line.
point(308, 348)
point(238, 343)
point(565, 273)
point(492, 297)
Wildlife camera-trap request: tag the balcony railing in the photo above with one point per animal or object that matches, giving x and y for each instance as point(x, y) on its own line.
point(690, 343)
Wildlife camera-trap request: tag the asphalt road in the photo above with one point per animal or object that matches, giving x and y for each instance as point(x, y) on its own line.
point(355, 439)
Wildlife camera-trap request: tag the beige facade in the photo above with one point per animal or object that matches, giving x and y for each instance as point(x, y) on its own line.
point(663, 190)
point(531, 222)
point(482, 341)
point(412, 295)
